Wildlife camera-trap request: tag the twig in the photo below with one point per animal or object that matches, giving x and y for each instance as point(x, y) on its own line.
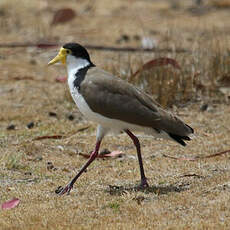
point(48, 137)
point(180, 158)
point(216, 154)
point(197, 157)
point(59, 136)
point(192, 175)
point(94, 47)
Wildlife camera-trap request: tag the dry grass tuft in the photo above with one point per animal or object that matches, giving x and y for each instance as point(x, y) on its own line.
point(201, 76)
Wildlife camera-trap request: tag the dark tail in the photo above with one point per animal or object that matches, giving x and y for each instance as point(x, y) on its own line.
point(179, 139)
point(191, 129)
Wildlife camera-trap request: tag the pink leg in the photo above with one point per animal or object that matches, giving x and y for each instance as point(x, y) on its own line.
point(136, 142)
point(93, 155)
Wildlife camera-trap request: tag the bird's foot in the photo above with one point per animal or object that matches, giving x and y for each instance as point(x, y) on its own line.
point(143, 185)
point(61, 191)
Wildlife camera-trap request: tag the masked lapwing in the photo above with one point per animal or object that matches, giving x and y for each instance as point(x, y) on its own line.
point(116, 106)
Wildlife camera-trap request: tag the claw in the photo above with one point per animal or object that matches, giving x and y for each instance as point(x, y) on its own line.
point(61, 191)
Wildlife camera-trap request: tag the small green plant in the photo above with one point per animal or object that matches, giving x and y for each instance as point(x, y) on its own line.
point(13, 161)
point(115, 206)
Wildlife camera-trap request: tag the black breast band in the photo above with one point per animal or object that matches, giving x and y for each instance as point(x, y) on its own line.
point(80, 76)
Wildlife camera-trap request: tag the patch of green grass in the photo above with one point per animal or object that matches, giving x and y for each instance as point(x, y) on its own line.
point(162, 182)
point(14, 161)
point(114, 206)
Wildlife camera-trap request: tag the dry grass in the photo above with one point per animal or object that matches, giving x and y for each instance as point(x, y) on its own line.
point(183, 194)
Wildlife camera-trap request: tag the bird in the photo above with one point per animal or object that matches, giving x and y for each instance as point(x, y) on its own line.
point(115, 105)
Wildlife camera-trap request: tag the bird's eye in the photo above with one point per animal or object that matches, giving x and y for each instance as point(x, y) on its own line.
point(67, 51)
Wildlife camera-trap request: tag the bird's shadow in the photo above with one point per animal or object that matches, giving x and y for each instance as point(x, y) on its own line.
point(158, 190)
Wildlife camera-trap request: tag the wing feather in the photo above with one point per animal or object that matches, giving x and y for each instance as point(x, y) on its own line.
point(117, 99)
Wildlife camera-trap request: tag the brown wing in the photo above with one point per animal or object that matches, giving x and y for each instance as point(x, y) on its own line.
point(117, 99)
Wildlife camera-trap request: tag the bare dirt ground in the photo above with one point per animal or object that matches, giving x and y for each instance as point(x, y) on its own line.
point(183, 194)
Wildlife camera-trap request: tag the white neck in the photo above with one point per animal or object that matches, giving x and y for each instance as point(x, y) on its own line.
point(73, 64)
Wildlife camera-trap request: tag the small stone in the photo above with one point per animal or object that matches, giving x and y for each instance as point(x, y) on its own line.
point(11, 127)
point(39, 158)
point(204, 107)
point(123, 38)
point(30, 125)
point(61, 148)
point(71, 117)
point(52, 114)
point(50, 165)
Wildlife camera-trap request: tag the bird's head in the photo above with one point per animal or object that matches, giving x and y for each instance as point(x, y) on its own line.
point(73, 52)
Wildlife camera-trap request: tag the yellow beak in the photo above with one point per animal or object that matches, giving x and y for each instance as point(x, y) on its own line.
point(60, 57)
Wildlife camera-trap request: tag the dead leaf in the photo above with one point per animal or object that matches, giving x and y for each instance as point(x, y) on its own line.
point(63, 15)
point(107, 155)
point(113, 154)
point(61, 79)
point(10, 204)
point(48, 137)
point(224, 4)
point(156, 62)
